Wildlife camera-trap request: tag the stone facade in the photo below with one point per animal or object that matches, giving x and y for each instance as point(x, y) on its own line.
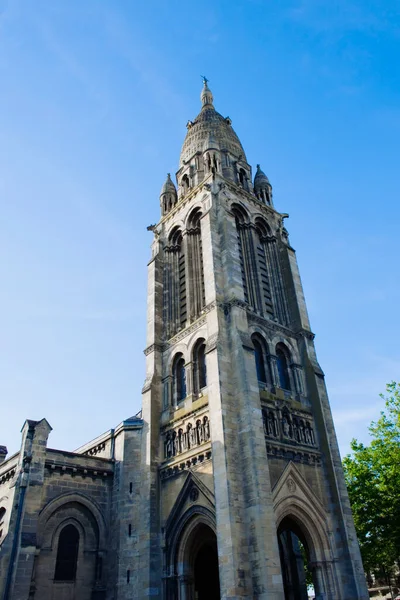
point(230, 480)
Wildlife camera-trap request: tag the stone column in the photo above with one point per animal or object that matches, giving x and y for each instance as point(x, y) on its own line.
point(273, 361)
point(318, 580)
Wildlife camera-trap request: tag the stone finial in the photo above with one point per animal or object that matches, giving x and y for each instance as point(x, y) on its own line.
point(206, 94)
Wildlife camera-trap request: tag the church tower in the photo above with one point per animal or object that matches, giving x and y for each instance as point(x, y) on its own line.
point(242, 491)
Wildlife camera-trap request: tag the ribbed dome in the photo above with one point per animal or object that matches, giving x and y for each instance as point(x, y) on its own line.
point(261, 181)
point(209, 124)
point(168, 187)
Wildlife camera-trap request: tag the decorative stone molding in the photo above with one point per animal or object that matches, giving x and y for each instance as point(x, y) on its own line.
point(186, 465)
point(5, 477)
point(300, 456)
point(184, 332)
point(271, 326)
point(291, 485)
point(152, 348)
point(83, 471)
point(96, 449)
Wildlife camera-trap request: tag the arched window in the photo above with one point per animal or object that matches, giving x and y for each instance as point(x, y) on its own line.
point(2, 515)
point(199, 367)
point(273, 296)
point(259, 355)
point(262, 234)
point(282, 364)
point(243, 179)
point(197, 298)
point(179, 379)
point(185, 184)
point(175, 310)
point(246, 255)
point(67, 554)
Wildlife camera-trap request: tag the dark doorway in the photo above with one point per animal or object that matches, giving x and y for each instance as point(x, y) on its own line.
point(294, 557)
point(206, 575)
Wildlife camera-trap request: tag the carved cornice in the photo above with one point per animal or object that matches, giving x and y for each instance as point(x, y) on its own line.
point(73, 470)
point(184, 332)
point(185, 465)
point(152, 348)
point(239, 191)
point(190, 328)
point(296, 455)
point(96, 449)
point(5, 477)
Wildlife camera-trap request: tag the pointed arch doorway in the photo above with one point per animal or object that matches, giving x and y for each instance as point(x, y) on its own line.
point(204, 561)
point(196, 562)
point(294, 553)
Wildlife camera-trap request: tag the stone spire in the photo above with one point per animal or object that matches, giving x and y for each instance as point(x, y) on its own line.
point(169, 186)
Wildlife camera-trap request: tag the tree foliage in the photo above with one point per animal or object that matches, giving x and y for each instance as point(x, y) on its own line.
point(373, 480)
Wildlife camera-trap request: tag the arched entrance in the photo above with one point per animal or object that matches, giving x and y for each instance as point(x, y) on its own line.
point(205, 565)
point(195, 558)
point(295, 560)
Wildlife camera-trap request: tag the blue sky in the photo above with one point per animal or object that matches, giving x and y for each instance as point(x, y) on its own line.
point(94, 100)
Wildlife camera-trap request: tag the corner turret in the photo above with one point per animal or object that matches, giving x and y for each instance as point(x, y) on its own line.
point(168, 195)
point(262, 187)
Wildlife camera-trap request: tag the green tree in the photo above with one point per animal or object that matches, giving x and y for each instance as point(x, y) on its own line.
point(373, 480)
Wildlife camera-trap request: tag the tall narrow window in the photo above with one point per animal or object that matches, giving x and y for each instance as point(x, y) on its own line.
point(260, 360)
point(274, 303)
point(185, 184)
point(283, 371)
point(195, 265)
point(243, 179)
point(246, 257)
point(261, 236)
point(179, 379)
point(199, 367)
point(67, 554)
point(175, 309)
